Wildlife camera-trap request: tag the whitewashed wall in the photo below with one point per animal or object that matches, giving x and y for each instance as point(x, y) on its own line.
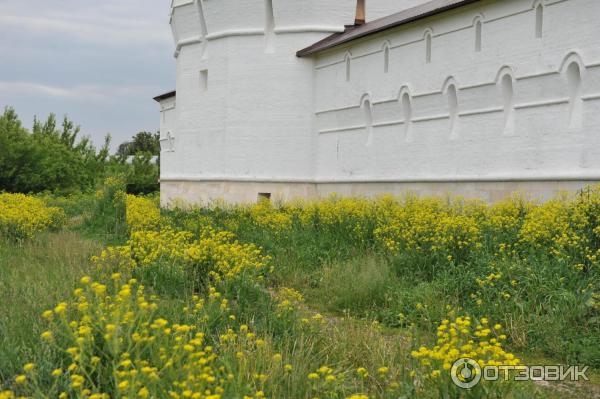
point(245, 102)
point(548, 129)
point(252, 117)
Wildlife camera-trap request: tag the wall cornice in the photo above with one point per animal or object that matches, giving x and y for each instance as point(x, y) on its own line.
point(512, 177)
point(259, 32)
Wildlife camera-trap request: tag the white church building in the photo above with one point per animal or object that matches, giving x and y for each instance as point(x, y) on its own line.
point(304, 98)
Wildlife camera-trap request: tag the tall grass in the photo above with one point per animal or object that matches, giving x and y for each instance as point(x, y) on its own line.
point(358, 286)
point(383, 272)
point(403, 261)
point(34, 276)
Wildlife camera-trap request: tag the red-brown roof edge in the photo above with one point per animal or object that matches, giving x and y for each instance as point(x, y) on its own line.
point(164, 96)
point(354, 32)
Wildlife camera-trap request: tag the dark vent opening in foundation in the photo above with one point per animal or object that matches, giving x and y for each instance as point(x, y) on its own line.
point(264, 197)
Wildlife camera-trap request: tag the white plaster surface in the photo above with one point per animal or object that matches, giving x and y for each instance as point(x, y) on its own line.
point(271, 121)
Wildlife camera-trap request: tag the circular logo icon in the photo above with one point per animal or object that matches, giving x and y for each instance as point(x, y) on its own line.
point(466, 373)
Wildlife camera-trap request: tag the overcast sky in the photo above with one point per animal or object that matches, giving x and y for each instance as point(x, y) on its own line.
point(99, 62)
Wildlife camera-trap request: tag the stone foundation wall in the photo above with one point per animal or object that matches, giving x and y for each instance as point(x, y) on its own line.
point(199, 192)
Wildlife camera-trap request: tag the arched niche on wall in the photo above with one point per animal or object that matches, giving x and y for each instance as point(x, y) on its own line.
point(367, 107)
point(427, 39)
point(385, 49)
point(450, 90)
point(538, 8)
point(347, 65)
point(405, 99)
point(505, 80)
point(573, 70)
point(478, 30)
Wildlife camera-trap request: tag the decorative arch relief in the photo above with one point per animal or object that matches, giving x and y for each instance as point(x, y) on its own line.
point(386, 56)
point(405, 99)
point(428, 38)
point(538, 7)
point(505, 81)
point(450, 90)
point(573, 69)
point(478, 27)
point(367, 106)
point(348, 66)
point(167, 144)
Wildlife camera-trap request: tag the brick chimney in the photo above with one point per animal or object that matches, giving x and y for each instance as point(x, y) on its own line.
point(360, 12)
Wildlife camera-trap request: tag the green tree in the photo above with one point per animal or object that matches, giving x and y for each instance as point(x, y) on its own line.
point(143, 174)
point(143, 142)
point(49, 158)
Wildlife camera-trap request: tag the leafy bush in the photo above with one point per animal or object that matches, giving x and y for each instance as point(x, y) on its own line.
point(214, 255)
point(23, 216)
point(142, 213)
point(116, 344)
point(458, 339)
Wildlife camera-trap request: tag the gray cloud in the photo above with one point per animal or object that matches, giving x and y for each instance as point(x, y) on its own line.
point(91, 93)
point(97, 61)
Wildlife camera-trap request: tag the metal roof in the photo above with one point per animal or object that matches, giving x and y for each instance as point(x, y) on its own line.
point(164, 96)
point(353, 32)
